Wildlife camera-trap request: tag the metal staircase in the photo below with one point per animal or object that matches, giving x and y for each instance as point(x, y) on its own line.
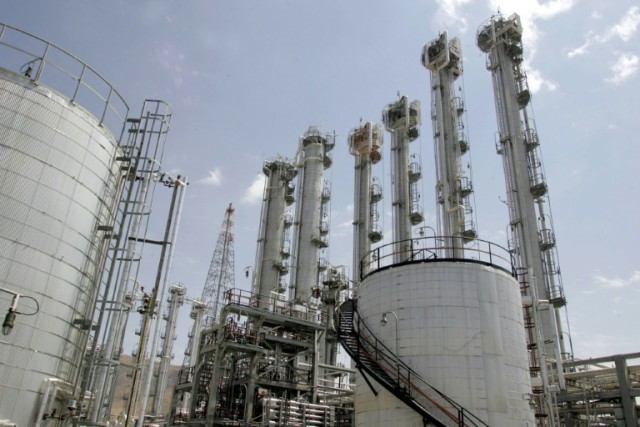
point(374, 358)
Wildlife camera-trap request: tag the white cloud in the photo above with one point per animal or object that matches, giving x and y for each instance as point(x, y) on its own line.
point(576, 172)
point(549, 9)
point(449, 14)
point(616, 282)
point(625, 67)
point(537, 82)
point(346, 224)
point(580, 50)
point(176, 63)
point(624, 30)
point(214, 178)
point(495, 236)
point(588, 344)
point(530, 11)
point(253, 194)
point(628, 25)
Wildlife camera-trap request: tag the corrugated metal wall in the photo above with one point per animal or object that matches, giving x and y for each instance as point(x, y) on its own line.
point(460, 327)
point(58, 183)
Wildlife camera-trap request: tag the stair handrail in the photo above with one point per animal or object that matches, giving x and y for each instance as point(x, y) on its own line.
point(405, 375)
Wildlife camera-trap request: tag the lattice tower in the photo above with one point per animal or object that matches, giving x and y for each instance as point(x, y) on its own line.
point(221, 270)
point(220, 277)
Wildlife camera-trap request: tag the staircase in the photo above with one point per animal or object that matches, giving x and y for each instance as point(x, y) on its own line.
point(374, 358)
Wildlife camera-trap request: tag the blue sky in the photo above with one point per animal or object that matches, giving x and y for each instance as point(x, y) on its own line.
point(247, 78)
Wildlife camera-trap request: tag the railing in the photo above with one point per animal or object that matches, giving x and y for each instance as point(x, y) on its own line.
point(45, 63)
point(275, 304)
point(241, 334)
point(185, 375)
point(433, 249)
point(401, 380)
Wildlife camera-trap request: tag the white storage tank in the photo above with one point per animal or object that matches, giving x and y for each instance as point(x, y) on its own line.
point(59, 189)
point(459, 326)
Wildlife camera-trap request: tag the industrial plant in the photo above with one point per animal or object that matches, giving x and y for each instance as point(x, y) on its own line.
point(437, 326)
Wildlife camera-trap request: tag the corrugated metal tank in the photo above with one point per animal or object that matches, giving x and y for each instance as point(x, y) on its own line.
point(59, 183)
point(460, 326)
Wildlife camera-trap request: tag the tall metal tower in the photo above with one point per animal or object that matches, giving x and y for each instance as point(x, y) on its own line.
point(205, 314)
point(365, 143)
point(221, 275)
point(443, 58)
point(402, 118)
point(311, 221)
point(532, 240)
point(273, 246)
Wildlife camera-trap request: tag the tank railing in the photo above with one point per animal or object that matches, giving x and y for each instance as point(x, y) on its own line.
point(62, 64)
point(274, 304)
point(401, 380)
point(433, 248)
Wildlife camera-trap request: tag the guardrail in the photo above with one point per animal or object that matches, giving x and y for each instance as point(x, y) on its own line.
point(46, 64)
point(433, 249)
point(275, 303)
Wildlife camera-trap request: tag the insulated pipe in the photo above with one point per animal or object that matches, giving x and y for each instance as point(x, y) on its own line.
point(309, 238)
point(270, 264)
point(443, 58)
point(45, 400)
point(401, 118)
point(171, 236)
point(364, 143)
point(177, 299)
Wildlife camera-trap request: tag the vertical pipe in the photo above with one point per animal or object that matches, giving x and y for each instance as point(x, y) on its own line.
point(364, 143)
point(309, 239)
point(44, 403)
point(501, 39)
point(159, 290)
point(443, 58)
point(115, 331)
point(269, 263)
point(177, 298)
point(401, 118)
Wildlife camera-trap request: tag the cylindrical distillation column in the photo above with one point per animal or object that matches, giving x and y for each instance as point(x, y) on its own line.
point(176, 300)
point(270, 266)
point(453, 189)
point(401, 119)
point(310, 237)
point(364, 143)
point(533, 242)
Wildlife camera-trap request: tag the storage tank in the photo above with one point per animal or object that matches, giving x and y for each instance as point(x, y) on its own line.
point(457, 323)
point(59, 189)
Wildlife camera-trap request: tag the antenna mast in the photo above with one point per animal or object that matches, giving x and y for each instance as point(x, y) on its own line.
point(221, 275)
